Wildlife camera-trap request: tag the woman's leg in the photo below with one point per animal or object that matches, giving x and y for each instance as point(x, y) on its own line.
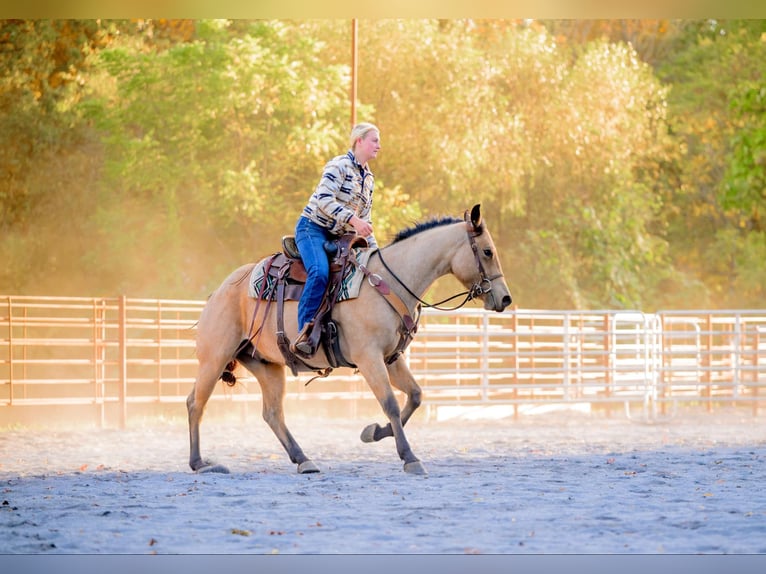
point(310, 239)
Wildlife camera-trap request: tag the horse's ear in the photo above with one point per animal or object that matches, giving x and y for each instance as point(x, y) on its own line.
point(476, 217)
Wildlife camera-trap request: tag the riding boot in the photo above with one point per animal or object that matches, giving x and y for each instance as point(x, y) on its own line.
point(302, 345)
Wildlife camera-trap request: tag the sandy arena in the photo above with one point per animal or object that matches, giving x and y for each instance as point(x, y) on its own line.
point(559, 483)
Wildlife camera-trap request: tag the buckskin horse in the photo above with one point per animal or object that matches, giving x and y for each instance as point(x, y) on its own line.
point(371, 329)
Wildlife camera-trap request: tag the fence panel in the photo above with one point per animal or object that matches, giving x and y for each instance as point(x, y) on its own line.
point(714, 356)
point(120, 351)
point(537, 357)
point(57, 350)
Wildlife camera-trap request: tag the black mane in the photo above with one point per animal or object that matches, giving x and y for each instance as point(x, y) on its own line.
point(425, 225)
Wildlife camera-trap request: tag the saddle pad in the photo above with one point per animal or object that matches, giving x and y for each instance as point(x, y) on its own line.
point(266, 286)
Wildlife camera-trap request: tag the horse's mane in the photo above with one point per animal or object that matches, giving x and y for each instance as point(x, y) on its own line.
point(424, 226)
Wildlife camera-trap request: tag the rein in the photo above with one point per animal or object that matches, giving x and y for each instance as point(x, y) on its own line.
point(482, 287)
point(468, 294)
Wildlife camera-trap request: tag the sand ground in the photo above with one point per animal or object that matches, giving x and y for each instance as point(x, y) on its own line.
point(564, 482)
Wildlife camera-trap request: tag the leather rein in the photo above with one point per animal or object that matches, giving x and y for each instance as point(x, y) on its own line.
point(481, 287)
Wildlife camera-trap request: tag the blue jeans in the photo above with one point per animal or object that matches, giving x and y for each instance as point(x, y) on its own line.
point(310, 239)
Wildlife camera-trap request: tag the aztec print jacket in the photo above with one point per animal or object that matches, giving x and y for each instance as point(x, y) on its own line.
point(345, 190)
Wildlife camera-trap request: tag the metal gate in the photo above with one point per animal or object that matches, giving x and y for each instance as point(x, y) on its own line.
point(114, 352)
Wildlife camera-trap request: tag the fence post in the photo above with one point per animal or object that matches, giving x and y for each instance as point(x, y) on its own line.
point(565, 359)
point(97, 358)
point(608, 380)
point(123, 360)
point(10, 351)
point(707, 363)
point(664, 367)
point(740, 338)
point(756, 369)
point(485, 362)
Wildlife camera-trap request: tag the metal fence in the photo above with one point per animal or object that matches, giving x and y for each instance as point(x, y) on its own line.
point(110, 353)
point(652, 361)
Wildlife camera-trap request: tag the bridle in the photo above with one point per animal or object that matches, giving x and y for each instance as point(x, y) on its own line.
point(482, 287)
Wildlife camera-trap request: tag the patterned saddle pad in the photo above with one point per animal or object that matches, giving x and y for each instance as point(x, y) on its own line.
point(265, 286)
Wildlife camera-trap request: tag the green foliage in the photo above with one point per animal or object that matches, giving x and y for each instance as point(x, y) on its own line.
point(716, 116)
point(619, 163)
point(745, 184)
point(211, 138)
point(42, 64)
point(610, 120)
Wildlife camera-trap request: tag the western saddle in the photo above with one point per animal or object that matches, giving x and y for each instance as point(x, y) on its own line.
point(288, 277)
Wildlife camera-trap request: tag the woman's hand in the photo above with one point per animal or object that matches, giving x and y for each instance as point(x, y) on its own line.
point(362, 227)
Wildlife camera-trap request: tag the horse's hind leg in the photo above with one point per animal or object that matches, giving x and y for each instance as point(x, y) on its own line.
point(207, 377)
point(216, 343)
point(402, 379)
point(271, 378)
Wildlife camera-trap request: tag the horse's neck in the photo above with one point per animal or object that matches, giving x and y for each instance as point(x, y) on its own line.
point(422, 259)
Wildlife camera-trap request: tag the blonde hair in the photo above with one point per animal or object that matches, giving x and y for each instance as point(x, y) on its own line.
point(360, 131)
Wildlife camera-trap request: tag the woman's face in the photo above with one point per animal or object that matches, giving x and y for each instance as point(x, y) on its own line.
point(367, 147)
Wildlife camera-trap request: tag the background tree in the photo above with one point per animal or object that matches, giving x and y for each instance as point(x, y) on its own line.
point(716, 72)
point(620, 161)
point(209, 145)
point(44, 156)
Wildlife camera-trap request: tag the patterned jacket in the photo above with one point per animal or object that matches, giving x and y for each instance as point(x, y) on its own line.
point(345, 190)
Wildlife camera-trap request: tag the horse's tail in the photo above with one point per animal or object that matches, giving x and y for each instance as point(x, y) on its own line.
point(228, 376)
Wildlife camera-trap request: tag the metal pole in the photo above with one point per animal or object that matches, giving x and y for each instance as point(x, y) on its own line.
point(756, 371)
point(565, 359)
point(708, 363)
point(123, 360)
point(98, 380)
point(353, 71)
point(10, 351)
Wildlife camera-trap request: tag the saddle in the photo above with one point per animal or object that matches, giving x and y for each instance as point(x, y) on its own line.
point(284, 280)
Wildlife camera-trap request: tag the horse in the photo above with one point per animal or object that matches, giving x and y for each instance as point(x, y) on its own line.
point(371, 328)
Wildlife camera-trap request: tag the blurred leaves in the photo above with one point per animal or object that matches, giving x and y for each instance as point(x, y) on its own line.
point(620, 163)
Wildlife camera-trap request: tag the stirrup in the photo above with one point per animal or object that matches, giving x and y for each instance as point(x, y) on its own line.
point(303, 349)
point(302, 344)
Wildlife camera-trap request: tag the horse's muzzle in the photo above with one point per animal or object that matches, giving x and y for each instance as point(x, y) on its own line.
point(493, 303)
point(504, 302)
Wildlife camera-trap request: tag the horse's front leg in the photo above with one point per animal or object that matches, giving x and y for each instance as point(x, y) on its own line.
point(402, 379)
point(271, 378)
point(377, 378)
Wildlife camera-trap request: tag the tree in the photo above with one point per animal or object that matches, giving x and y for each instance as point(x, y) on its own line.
point(717, 71)
point(652, 39)
point(595, 207)
point(620, 162)
point(43, 63)
point(43, 151)
point(210, 144)
point(561, 145)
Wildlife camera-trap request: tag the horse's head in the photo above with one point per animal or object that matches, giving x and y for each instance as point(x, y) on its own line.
point(478, 267)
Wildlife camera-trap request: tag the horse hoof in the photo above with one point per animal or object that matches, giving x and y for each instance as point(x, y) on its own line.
point(368, 434)
point(307, 467)
point(415, 467)
point(219, 468)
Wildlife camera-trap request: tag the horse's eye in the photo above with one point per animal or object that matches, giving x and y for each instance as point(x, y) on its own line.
point(488, 252)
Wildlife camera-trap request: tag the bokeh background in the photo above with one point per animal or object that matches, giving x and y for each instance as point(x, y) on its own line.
point(621, 162)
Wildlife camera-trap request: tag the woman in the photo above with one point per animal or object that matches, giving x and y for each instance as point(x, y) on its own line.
point(341, 202)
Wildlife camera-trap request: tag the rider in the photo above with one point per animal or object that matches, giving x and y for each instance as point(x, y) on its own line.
point(341, 202)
